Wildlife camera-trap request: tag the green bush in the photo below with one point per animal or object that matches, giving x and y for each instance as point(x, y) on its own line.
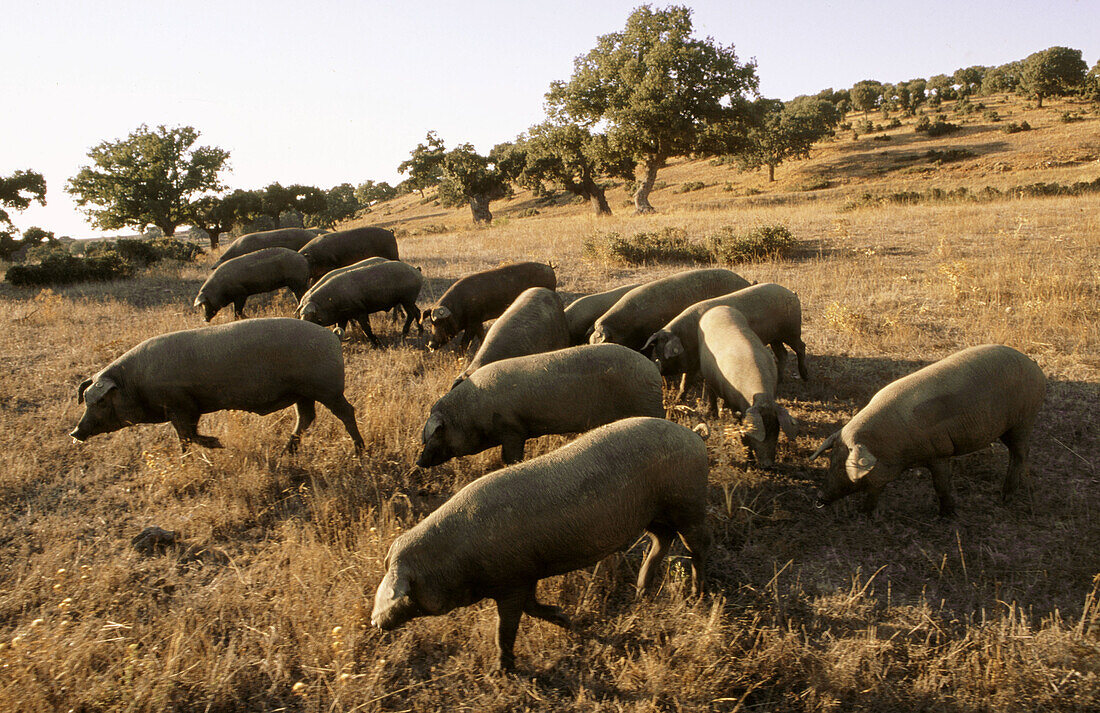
point(992, 115)
point(673, 245)
point(939, 127)
point(1014, 128)
point(147, 251)
point(948, 156)
point(59, 267)
point(763, 241)
point(668, 245)
point(689, 186)
point(865, 126)
point(1069, 118)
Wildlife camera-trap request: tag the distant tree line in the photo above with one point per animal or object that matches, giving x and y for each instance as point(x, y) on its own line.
point(640, 97)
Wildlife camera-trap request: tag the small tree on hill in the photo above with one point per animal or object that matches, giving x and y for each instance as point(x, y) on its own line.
point(368, 192)
point(340, 204)
point(149, 178)
point(220, 214)
point(425, 165)
point(1002, 79)
point(866, 95)
point(1055, 71)
point(470, 178)
point(17, 192)
point(659, 91)
point(969, 79)
point(569, 156)
point(786, 131)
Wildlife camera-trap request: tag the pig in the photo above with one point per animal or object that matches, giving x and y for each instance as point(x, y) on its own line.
point(473, 299)
point(957, 405)
point(642, 311)
point(534, 323)
point(583, 312)
point(565, 391)
point(774, 313)
point(499, 535)
point(345, 247)
point(290, 238)
point(737, 366)
point(252, 273)
point(256, 365)
point(355, 294)
point(339, 271)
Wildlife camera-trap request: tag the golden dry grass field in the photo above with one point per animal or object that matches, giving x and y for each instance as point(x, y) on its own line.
point(265, 605)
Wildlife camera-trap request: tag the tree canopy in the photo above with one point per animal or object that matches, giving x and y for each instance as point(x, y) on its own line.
point(18, 191)
point(785, 131)
point(659, 91)
point(570, 157)
point(149, 178)
point(1055, 71)
point(467, 177)
point(425, 164)
point(219, 214)
point(370, 192)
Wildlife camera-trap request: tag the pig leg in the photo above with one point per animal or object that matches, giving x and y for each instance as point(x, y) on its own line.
point(346, 413)
point(411, 314)
point(238, 307)
point(364, 324)
point(780, 359)
point(697, 540)
point(660, 537)
point(799, 348)
point(533, 607)
point(187, 428)
point(511, 448)
point(512, 440)
point(307, 411)
point(941, 481)
point(1017, 440)
point(509, 610)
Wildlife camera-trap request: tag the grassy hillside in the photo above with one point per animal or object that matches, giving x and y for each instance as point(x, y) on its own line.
point(265, 604)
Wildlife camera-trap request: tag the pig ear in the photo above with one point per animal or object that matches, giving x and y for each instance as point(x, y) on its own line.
point(754, 424)
point(435, 422)
point(440, 313)
point(201, 300)
point(99, 389)
point(787, 423)
point(649, 343)
point(673, 347)
point(827, 445)
point(860, 462)
point(81, 389)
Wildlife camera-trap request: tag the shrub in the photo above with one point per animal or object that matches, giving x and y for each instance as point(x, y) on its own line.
point(894, 123)
point(60, 267)
point(529, 212)
point(1069, 118)
point(763, 241)
point(948, 156)
point(1014, 128)
point(992, 115)
point(865, 126)
point(939, 127)
point(144, 252)
point(813, 184)
point(689, 186)
point(668, 245)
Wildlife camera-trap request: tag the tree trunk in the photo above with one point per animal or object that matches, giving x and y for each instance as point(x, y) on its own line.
point(1040, 98)
point(641, 196)
point(214, 235)
point(596, 196)
point(479, 207)
point(771, 173)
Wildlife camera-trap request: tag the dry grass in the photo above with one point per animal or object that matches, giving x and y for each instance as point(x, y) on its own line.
point(808, 610)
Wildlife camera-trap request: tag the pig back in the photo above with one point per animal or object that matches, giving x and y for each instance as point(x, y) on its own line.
point(571, 390)
point(485, 295)
point(569, 508)
point(957, 405)
point(258, 365)
point(645, 309)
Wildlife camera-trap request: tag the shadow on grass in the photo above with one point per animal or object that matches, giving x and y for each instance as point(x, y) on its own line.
point(1040, 550)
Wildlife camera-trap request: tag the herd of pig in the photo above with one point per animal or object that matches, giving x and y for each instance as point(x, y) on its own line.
point(594, 367)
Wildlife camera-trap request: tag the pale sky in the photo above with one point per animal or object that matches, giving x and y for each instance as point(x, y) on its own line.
point(323, 92)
